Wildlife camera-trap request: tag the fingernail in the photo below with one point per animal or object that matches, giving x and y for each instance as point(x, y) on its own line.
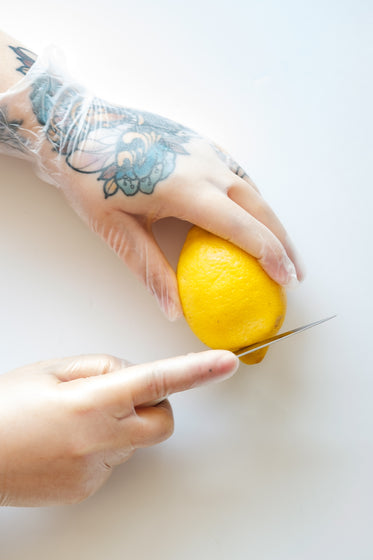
point(281, 269)
point(295, 258)
point(291, 281)
point(227, 364)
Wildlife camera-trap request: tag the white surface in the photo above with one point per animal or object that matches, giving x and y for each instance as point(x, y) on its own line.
point(275, 464)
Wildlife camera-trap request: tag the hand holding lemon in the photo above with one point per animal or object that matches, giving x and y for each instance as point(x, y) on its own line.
point(228, 300)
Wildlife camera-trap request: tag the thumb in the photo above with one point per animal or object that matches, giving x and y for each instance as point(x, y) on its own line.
point(134, 243)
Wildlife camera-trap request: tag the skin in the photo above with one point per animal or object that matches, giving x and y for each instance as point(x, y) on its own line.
point(123, 169)
point(65, 424)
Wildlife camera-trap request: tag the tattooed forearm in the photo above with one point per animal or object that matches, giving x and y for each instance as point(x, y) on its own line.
point(25, 57)
point(10, 129)
point(10, 132)
point(131, 150)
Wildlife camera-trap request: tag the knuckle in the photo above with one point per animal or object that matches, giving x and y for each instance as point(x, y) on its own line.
point(77, 448)
point(156, 383)
point(109, 363)
point(237, 226)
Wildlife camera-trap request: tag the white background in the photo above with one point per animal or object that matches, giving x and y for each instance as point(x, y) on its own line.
point(276, 463)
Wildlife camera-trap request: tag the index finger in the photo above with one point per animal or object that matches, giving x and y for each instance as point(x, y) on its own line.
point(149, 383)
point(229, 220)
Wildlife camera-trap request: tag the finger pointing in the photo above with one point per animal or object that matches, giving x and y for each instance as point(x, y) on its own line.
point(152, 382)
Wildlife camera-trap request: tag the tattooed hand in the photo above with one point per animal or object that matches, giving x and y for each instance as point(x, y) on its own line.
point(123, 169)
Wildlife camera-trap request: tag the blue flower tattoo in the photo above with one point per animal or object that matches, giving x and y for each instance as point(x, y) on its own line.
point(132, 150)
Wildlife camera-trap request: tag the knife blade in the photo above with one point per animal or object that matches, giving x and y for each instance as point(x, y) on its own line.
point(268, 341)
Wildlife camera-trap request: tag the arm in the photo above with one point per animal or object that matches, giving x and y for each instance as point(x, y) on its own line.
point(15, 61)
point(15, 116)
point(122, 169)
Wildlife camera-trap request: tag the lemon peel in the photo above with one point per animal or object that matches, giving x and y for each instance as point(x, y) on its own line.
point(228, 300)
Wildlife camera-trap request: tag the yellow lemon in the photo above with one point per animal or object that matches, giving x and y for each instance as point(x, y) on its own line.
point(228, 300)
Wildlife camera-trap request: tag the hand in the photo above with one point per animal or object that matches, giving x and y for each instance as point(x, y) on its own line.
point(123, 169)
point(64, 424)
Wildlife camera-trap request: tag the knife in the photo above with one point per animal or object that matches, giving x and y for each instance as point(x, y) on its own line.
point(268, 341)
point(256, 346)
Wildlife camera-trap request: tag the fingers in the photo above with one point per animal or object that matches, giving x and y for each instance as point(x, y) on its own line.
point(118, 392)
point(242, 217)
point(241, 173)
point(146, 427)
point(233, 166)
point(229, 220)
point(67, 369)
point(250, 200)
point(154, 424)
point(134, 243)
point(112, 404)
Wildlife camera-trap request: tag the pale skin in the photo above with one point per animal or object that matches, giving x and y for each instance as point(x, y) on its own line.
point(65, 424)
point(122, 170)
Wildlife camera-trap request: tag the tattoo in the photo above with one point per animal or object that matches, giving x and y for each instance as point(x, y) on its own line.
point(10, 128)
point(131, 150)
point(25, 56)
point(238, 170)
point(9, 132)
point(231, 163)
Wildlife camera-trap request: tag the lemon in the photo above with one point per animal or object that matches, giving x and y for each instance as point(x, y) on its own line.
point(228, 300)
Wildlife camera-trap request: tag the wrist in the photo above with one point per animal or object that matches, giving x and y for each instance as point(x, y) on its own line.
point(18, 126)
point(37, 119)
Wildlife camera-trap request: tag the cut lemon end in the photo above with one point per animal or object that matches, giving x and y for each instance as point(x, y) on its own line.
point(254, 357)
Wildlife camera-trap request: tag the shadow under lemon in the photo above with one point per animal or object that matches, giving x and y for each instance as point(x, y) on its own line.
point(228, 300)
